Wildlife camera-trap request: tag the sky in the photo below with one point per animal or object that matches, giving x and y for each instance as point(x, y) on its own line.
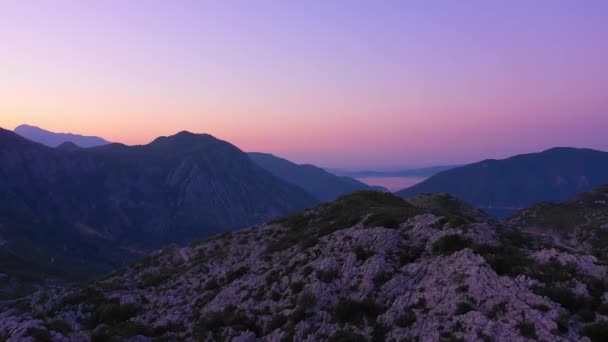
point(349, 84)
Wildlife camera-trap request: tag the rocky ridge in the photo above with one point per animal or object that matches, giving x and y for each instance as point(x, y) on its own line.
point(368, 267)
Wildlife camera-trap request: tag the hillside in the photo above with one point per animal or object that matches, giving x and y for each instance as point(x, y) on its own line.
point(503, 186)
point(76, 212)
point(580, 223)
point(316, 181)
point(53, 139)
point(368, 267)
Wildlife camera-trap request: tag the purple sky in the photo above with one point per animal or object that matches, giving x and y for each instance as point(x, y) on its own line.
point(360, 84)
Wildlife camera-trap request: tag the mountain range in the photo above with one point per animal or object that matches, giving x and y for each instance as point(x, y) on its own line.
point(53, 139)
point(67, 212)
point(316, 181)
point(503, 186)
point(368, 267)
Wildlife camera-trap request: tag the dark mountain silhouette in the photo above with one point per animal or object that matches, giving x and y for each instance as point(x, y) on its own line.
point(53, 139)
point(316, 181)
point(75, 211)
point(502, 186)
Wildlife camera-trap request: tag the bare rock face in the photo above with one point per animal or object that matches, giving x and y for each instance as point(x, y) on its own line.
point(369, 267)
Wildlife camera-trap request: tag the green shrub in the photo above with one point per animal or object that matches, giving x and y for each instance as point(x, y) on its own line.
point(229, 317)
point(562, 295)
point(153, 279)
point(407, 318)
point(355, 312)
point(409, 254)
point(381, 278)
point(306, 300)
point(596, 331)
point(527, 329)
point(326, 276)
point(541, 307)
point(112, 313)
point(60, 326)
point(39, 335)
point(462, 308)
point(276, 322)
point(363, 253)
point(346, 336)
point(450, 244)
point(234, 275)
point(296, 287)
point(563, 323)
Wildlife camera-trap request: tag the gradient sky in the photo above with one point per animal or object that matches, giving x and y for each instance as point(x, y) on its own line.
point(359, 84)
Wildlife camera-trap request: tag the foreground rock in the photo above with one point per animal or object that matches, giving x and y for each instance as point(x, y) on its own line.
point(369, 267)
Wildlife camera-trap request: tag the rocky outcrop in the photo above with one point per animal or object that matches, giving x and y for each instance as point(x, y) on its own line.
point(334, 273)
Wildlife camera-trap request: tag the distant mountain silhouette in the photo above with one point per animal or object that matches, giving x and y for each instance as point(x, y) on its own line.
point(316, 181)
point(53, 139)
point(74, 211)
point(419, 172)
point(502, 186)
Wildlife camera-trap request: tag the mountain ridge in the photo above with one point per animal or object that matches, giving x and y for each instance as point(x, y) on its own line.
point(98, 205)
point(369, 266)
point(53, 139)
point(315, 180)
point(522, 180)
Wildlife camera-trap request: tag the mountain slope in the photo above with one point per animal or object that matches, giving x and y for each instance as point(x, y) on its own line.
point(83, 211)
point(580, 223)
point(316, 181)
point(553, 175)
point(53, 139)
point(371, 268)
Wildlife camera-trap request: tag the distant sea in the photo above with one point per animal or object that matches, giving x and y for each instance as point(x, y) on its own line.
point(392, 183)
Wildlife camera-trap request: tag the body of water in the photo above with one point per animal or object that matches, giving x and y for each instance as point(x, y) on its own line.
point(392, 183)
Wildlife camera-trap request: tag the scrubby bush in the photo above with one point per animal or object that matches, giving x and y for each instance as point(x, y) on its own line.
point(111, 313)
point(39, 335)
point(296, 286)
point(355, 312)
point(326, 276)
point(596, 331)
point(527, 329)
point(229, 317)
point(60, 326)
point(450, 244)
point(462, 308)
point(407, 318)
point(346, 336)
point(306, 300)
point(363, 253)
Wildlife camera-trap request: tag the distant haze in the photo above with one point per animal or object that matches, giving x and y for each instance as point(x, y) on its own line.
point(392, 183)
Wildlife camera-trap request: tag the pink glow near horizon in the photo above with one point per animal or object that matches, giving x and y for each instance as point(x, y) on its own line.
point(357, 84)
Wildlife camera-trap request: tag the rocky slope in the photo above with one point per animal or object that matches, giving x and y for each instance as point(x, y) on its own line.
point(368, 267)
point(316, 181)
point(503, 186)
point(72, 212)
